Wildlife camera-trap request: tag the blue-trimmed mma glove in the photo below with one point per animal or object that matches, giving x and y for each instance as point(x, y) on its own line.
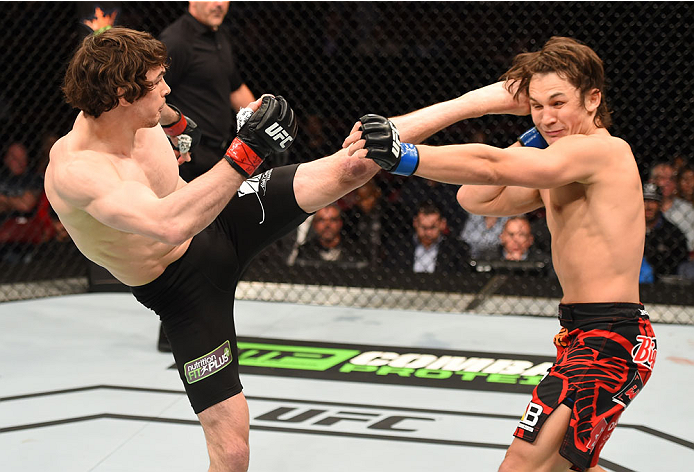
point(185, 130)
point(384, 146)
point(272, 128)
point(532, 138)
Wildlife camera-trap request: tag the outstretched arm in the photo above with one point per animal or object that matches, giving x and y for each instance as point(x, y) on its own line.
point(494, 99)
point(572, 159)
point(499, 200)
point(92, 184)
point(89, 181)
point(325, 180)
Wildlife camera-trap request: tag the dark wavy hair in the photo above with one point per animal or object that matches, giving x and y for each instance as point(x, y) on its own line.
point(572, 61)
point(111, 65)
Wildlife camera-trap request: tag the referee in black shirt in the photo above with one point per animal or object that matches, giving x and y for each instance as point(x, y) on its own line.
point(206, 84)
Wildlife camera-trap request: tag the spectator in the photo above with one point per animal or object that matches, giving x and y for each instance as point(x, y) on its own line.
point(443, 196)
point(19, 188)
point(676, 210)
point(205, 80)
point(666, 246)
point(646, 273)
point(20, 194)
point(679, 162)
point(317, 143)
point(365, 220)
point(515, 250)
point(429, 250)
point(538, 223)
point(328, 244)
point(686, 270)
point(685, 184)
point(481, 233)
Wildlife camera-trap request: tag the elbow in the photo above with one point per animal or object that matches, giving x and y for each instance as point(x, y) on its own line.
point(174, 234)
point(464, 199)
point(470, 199)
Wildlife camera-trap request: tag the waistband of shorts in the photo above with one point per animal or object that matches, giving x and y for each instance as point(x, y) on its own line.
point(594, 311)
point(154, 285)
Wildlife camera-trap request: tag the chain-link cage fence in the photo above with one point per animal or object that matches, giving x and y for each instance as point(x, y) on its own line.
point(335, 61)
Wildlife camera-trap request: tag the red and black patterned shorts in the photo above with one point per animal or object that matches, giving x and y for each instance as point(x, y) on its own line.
point(605, 355)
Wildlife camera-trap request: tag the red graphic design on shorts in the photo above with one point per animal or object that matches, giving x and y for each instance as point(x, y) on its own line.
point(561, 339)
point(244, 156)
point(598, 372)
point(645, 351)
point(596, 433)
point(593, 376)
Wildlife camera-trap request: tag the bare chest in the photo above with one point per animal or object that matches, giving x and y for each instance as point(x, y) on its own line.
point(564, 205)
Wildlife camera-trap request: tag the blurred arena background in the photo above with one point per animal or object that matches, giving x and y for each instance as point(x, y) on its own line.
point(335, 61)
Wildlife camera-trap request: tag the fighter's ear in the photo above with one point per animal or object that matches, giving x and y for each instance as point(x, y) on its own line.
point(122, 102)
point(593, 99)
point(443, 224)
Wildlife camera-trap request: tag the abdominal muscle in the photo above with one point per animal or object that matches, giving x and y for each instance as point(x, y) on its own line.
point(592, 273)
point(131, 258)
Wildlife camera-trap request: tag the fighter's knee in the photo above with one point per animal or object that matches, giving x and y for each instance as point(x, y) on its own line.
point(512, 462)
point(231, 457)
point(356, 171)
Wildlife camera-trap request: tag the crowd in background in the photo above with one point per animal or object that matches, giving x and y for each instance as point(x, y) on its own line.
point(409, 224)
point(382, 224)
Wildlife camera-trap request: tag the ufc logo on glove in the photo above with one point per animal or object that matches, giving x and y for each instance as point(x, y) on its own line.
point(278, 133)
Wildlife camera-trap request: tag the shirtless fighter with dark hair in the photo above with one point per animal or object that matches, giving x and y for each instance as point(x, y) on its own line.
point(589, 184)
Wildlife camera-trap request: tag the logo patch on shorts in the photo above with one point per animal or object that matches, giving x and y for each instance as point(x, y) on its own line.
point(253, 186)
point(595, 434)
point(530, 417)
point(210, 363)
point(630, 390)
point(645, 351)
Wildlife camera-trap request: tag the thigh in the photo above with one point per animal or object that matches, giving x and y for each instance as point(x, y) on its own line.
point(195, 306)
point(203, 342)
point(264, 210)
point(542, 455)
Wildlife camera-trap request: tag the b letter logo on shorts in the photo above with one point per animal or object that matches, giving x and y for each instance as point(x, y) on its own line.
point(208, 364)
point(531, 417)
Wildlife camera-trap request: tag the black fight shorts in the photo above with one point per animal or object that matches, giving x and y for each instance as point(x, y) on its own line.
point(605, 355)
point(194, 297)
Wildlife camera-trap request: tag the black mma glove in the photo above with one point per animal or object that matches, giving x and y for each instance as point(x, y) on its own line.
point(384, 146)
point(272, 128)
point(185, 130)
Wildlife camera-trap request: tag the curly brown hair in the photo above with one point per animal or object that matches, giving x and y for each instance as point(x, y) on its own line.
point(572, 61)
point(111, 65)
